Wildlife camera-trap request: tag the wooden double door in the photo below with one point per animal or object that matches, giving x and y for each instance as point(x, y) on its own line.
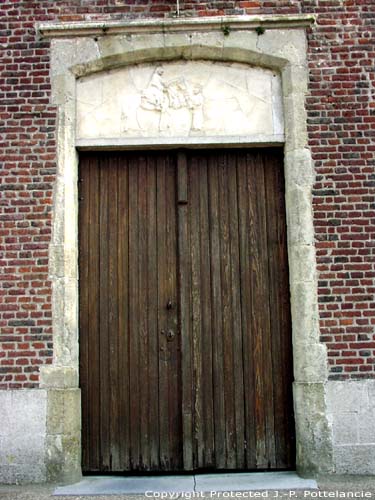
point(185, 337)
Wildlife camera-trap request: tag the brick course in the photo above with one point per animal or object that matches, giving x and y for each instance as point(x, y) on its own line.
point(341, 125)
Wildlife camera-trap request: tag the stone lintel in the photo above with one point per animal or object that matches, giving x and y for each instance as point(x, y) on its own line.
point(166, 143)
point(148, 26)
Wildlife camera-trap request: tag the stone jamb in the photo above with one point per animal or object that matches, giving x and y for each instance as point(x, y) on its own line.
point(283, 50)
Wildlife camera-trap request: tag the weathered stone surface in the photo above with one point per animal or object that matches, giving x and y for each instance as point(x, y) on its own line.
point(355, 459)
point(299, 216)
point(63, 442)
point(313, 430)
point(62, 410)
point(61, 261)
point(305, 315)
point(366, 426)
point(174, 25)
point(310, 362)
point(345, 428)
point(351, 409)
point(64, 51)
point(295, 79)
point(295, 122)
point(65, 321)
point(63, 458)
point(59, 377)
point(288, 44)
point(72, 51)
point(22, 435)
point(180, 99)
point(344, 396)
point(302, 263)
point(62, 89)
point(300, 171)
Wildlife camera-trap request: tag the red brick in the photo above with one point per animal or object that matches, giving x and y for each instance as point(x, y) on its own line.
point(340, 130)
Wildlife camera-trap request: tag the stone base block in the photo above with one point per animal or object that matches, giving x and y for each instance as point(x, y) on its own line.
point(63, 440)
point(22, 436)
point(40, 436)
point(351, 409)
point(313, 430)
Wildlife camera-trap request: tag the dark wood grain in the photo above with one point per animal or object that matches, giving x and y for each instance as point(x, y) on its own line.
point(246, 235)
point(184, 281)
point(162, 317)
point(208, 418)
point(113, 340)
point(227, 312)
point(173, 345)
point(197, 276)
point(152, 307)
point(235, 293)
point(185, 331)
point(143, 367)
point(134, 313)
point(84, 310)
point(216, 314)
point(104, 316)
point(123, 382)
point(280, 312)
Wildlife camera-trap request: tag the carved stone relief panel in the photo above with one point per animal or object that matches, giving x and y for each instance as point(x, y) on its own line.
point(180, 99)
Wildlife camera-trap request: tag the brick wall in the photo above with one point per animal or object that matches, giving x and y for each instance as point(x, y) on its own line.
point(341, 122)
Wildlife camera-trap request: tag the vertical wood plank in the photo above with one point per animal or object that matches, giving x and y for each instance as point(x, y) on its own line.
point(286, 350)
point(94, 311)
point(134, 323)
point(217, 325)
point(207, 337)
point(143, 313)
point(113, 373)
point(184, 309)
point(162, 319)
point(246, 234)
point(256, 308)
point(196, 326)
point(123, 318)
point(103, 321)
point(279, 310)
point(173, 349)
point(152, 307)
point(237, 363)
point(84, 316)
point(260, 319)
point(270, 181)
point(266, 286)
point(227, 312)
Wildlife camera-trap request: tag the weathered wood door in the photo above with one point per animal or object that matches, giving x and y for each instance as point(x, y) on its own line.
point(185, 341)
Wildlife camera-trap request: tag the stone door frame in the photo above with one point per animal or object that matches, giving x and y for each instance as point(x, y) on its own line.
point(80, 49)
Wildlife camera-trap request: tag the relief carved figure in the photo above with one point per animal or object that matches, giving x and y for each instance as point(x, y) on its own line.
point(154, 96)
point(167, 97)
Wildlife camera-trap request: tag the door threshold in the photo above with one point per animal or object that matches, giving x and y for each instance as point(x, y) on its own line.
point(193, 485)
